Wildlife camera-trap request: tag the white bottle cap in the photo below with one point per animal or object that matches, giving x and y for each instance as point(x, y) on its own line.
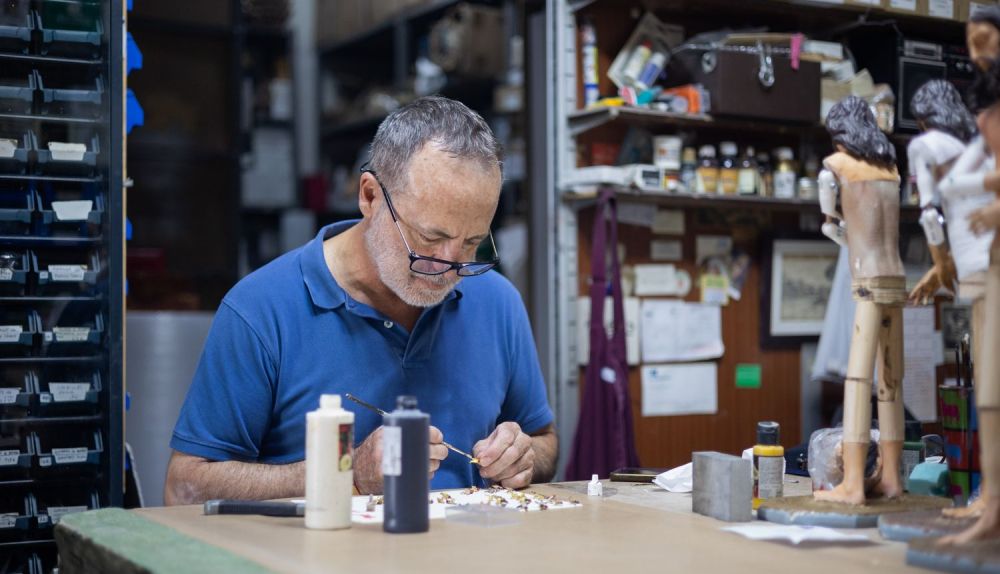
point(329, 402)
point(728, 149)
point(784, 153)
point(593, 478)
point(707, 151)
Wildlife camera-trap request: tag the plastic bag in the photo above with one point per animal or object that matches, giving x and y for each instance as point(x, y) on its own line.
point(826, 461)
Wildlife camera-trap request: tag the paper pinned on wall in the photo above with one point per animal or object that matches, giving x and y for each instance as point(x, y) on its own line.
point(688, 389)
point(669, 222)
point(706, 246)
point(632, 213)
point(672, 330)
point(919, 374)
point(631, 305)
point(661, 279)
point(666, 250)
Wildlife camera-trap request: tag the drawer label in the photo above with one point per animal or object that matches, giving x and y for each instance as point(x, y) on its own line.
point(70, 455)
point(8, 396)
point(6, 274)
point(8, 520)
point(10, 333)
point(69, 392)
point(942, 8)
point(71, 334)
point(57, 512)
point(9, 457)
point(67, 272)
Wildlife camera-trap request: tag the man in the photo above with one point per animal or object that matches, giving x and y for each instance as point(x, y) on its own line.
point(377, 308)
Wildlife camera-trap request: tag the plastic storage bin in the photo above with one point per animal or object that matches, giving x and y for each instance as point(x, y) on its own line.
point(63, 272)
point(64, 449)
point(59, 157)
point(17, 452)
point(24, 562)
point(71, 95)
point(17, 203)
point(17, 91)
point(70, 28)
point(15, 271)
point(18, 390)
point(68, 390)
point(15, 149)
point(16, 25)
point(17, 515)
point(69, 332)
point(54, 503)
point(66, 212)
point(18, 328)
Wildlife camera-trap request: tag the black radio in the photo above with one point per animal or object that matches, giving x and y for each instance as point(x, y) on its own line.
point(906, 65)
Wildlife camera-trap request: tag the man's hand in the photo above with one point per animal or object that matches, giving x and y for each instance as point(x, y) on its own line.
point(985, 219)
point(368, 460)
point(506, 456)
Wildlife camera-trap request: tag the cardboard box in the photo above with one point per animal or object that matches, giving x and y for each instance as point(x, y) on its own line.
point(469, 40)
point(912, 7)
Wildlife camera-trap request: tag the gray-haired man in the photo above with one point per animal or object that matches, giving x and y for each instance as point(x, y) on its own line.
point(377, 308)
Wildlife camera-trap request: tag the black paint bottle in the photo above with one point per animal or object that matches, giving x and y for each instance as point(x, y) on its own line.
point(405, 456)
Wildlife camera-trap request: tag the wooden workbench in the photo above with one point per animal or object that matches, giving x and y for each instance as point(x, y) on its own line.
point(633, 528)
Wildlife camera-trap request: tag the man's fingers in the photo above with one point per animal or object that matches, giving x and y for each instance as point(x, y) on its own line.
point(526, 462)
point(498, 442)
point(439, 452)
point(521, 480)
point(436, 435)
point(508, 458)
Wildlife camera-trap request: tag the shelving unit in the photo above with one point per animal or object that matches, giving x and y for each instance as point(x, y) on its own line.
point(61, 352)
point(561, 217)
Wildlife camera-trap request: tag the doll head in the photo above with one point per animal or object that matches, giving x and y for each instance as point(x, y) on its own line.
point(983, 38)
point(852, 126)
point(937, 105)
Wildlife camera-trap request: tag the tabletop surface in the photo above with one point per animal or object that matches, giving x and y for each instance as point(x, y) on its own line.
point(633, 527)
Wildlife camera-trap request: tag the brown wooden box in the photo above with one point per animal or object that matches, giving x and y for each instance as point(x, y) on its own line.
point(736, 91)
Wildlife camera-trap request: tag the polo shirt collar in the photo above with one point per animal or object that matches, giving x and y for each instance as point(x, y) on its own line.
point(324, 290)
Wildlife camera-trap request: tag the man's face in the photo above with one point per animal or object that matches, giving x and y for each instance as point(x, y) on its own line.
point(984, 43)
point(445, 207)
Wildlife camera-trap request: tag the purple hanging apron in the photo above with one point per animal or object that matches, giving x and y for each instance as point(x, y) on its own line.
point(604, 438)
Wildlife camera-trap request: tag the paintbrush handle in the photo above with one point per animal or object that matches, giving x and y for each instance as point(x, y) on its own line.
point(453, 449)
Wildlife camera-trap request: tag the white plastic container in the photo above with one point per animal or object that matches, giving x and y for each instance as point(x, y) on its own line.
point(329, 465)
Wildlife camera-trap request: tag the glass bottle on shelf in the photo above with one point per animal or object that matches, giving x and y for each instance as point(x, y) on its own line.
point(689, 169)
point(707, 180)
point(786, 174)
point(728, 169)
point(748, 181)
point(765, 177)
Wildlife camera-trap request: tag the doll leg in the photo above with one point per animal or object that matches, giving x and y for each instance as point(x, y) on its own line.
point(857, 406)
point(890, 401)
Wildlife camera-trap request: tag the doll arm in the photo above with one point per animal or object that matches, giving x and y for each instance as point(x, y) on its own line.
point(829, 189)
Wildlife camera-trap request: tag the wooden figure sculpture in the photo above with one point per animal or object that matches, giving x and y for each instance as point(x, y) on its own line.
point(958, 254)
point(863, 171)
point(983, 36)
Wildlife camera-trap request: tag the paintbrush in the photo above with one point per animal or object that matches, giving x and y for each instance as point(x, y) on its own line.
point(371, 407)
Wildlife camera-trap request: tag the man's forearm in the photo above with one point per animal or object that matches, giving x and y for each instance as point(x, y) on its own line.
point(546, 447)
point(196, 481)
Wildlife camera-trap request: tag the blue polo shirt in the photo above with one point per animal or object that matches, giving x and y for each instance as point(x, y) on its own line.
point(288, 333)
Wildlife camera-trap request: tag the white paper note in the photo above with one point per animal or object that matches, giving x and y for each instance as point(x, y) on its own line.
point(669, 222)
point(941, 8)
point(688, 389)
point(660, 279)
point(72, 210)
point(919, 377)
point(631, 305)
point(671, 330)
point(706, 246)
point(632, 213)
point(666, 250)
point(792, 533)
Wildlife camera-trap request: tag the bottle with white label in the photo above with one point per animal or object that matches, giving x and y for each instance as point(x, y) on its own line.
point(405, 456)
point(329, 465)
point(786, 174)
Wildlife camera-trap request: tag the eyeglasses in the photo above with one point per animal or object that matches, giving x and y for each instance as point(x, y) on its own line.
point(431, 265)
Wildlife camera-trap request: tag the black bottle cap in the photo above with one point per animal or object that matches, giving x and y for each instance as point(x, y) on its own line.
point(768, 432)
point(406, 402)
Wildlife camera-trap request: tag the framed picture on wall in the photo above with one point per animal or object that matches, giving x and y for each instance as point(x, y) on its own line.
point(797, 275)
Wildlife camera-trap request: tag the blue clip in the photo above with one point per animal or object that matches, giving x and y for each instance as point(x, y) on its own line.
point(129, 5)
point(133, 55)
point(128, 229)
point(134, 116)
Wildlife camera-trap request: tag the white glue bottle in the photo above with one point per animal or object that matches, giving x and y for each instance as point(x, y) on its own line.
point(329, 465)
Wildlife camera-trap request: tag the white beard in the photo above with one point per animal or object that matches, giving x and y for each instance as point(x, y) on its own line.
point(393, 266)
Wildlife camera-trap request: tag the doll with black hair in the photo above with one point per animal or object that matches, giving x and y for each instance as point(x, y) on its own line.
point(983, 38)
point(863, 172)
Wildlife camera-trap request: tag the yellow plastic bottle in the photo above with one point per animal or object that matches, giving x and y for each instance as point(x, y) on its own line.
point(768, 463)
